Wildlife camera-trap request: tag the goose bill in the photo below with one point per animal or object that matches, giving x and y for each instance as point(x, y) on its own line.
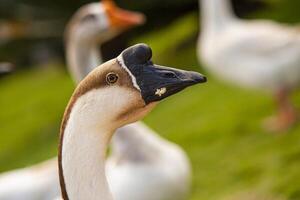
point(158, 82)
point(121, 18)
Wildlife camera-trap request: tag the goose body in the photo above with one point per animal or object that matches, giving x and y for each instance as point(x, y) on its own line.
point(168, 174)
point(39, 182)
point(139, 154)
point(257, 54)
point(117, 93)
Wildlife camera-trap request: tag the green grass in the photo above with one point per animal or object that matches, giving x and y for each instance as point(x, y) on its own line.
point(32, 104)
point(218, 125)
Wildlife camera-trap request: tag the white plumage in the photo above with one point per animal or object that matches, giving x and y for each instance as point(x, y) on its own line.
point(145, 166)
point(155, 166)
point(258, 54)
point(39, 182)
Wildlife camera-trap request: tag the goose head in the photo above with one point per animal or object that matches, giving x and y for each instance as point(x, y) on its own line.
point(130, 86)
point(101, 21)
point(116, 93)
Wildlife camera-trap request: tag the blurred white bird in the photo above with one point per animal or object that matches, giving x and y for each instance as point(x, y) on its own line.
point(145, 166)
point(6, 68)
point(134, 146)
point(258, 54)
point(39, 182)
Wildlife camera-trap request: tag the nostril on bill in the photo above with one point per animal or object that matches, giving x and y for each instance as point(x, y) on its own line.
point(169, 75)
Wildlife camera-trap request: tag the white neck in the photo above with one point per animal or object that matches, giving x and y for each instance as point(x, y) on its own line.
point(82, 57)
point(83, 153)
point(216, 14)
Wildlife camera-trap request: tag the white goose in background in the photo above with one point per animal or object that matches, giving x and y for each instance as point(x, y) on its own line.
point(6, 68)
point(258, 54)
point(87, 30)
point(135, 145)
point(40, 182)
point(118, 92)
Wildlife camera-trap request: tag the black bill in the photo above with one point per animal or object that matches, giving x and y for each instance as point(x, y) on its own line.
point(156, 82)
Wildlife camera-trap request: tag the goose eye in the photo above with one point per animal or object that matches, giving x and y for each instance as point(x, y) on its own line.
point(112, 78)
point(89, 18)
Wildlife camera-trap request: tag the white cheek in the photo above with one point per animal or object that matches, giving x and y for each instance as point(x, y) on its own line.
point(99, 11)
point(104, 22)
point(105, 104)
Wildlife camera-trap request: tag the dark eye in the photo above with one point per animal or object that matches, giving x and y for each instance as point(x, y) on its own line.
point(89, 18)
point(112, 78)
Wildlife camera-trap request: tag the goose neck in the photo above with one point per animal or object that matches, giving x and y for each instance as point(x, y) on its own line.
point(82, 56)
point(216, 14)
point(82, 156)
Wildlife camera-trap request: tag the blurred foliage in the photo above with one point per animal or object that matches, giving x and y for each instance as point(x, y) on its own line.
point(49, 17)
point(218, 125)
point(281, 10)
point(32, 104)
point(179, 34)
point(155, 9)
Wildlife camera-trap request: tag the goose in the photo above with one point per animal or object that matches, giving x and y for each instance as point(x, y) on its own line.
point(119, 92)
point(139, 154)
point(41, 182)
point(126, 157)
point(256, 54)
point(92, 25)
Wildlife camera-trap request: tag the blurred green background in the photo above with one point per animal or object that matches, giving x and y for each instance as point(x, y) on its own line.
point(218, 125)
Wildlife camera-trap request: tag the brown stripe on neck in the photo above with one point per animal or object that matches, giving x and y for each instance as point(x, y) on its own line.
point(60, 145)
point(92, 81)
point(96, 79)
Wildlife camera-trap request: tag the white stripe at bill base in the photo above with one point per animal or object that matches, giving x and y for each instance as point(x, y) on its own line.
point(122, 63)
